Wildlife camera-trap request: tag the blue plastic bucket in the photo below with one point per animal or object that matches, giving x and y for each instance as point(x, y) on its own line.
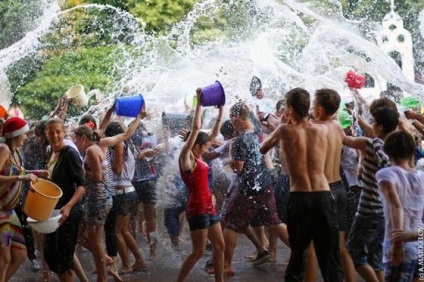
point(129, 106)
point(213, 95)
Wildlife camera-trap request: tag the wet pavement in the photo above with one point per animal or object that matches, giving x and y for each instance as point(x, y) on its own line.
point(165, 268)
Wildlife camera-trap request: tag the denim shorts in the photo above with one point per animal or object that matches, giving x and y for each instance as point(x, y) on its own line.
point(365, 243)
point(172, 220)
point(125, 203)
point(146, 191)
point(405, 272)
point(202, 221)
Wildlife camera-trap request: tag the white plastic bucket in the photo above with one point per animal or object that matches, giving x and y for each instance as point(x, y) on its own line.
point(77, 95)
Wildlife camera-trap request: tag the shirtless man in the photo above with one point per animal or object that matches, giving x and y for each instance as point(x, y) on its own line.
point(311, 210)
point(325, 105)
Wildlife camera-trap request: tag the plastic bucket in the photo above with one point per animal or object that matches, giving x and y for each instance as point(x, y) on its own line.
point(3, 111)
point(77, 95)
point(46, 226)
point(40, 203)
point(175, 122)
point(129, 106)
point(213, 95)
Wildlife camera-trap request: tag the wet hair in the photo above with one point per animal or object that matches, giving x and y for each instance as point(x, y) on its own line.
point(202, 138)
point(85, 130)
point(279, 104)
point(386, 117)
point(39, 128)
point(240, 109)
point(87, 119)
point(53, 121)
point(227, 128)
point(114, 128)
point(299, 100)
point(399, 145)
point(328, 99)
point(382, 102)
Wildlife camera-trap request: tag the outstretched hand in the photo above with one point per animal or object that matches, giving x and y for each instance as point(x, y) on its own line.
point(410, 114)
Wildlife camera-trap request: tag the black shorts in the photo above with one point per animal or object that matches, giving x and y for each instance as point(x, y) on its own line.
point(339, 193)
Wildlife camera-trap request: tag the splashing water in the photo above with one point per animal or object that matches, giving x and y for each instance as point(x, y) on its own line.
point(278, 43)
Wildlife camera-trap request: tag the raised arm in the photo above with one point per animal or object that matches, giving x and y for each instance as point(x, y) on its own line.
point(114, 140)
point(217, 124)
point(186, 158)
point(105, 121)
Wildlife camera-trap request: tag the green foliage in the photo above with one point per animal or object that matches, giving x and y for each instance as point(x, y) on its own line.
point(159, 15)
point(90, 28)
point(93, 68)
point(17, 17)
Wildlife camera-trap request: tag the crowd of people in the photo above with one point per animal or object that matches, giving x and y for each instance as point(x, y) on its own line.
point(336, 182)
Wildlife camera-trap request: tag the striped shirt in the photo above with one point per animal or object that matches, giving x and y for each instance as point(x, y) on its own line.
point(374, 159)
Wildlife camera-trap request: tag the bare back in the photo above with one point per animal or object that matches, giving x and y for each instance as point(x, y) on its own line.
point(334, 150)
point(305, 147)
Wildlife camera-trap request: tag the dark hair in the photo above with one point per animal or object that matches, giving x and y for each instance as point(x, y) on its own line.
point(227, 128)
point(280, 104)
point(299, 100)
point(328, 99)
point(240, 109)
point(382, 102)
point(114, 128)
point(39, 128)
point(399, 145)
point(202, 138)
point(85, 130)
point(386, 117)
point(86, 119)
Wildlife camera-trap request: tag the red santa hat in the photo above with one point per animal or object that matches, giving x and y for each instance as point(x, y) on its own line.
point(14, 127)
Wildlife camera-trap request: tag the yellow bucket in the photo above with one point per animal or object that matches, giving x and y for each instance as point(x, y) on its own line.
point(40, 203)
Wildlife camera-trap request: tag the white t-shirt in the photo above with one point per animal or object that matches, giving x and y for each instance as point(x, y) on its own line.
point(410, 188)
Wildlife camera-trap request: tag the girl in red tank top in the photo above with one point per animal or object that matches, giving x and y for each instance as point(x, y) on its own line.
point(200, 212)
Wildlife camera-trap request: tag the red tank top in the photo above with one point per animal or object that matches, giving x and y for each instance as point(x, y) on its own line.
point(200, 196)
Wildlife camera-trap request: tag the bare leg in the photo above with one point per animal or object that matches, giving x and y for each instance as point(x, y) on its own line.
point(125, 241)
point(67, 276)
point(347, 263)
point(150, 217)
point(368, 273)
point(79, 271)
point(260, 234)
point(217, 239)
point(311, 269)
point(18, 256)
point(230, 238)
point(198, 239)
point(95, 233)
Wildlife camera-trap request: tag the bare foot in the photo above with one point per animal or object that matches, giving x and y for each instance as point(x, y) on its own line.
point(252, 256)
point(115, 275)
point(139, 266)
